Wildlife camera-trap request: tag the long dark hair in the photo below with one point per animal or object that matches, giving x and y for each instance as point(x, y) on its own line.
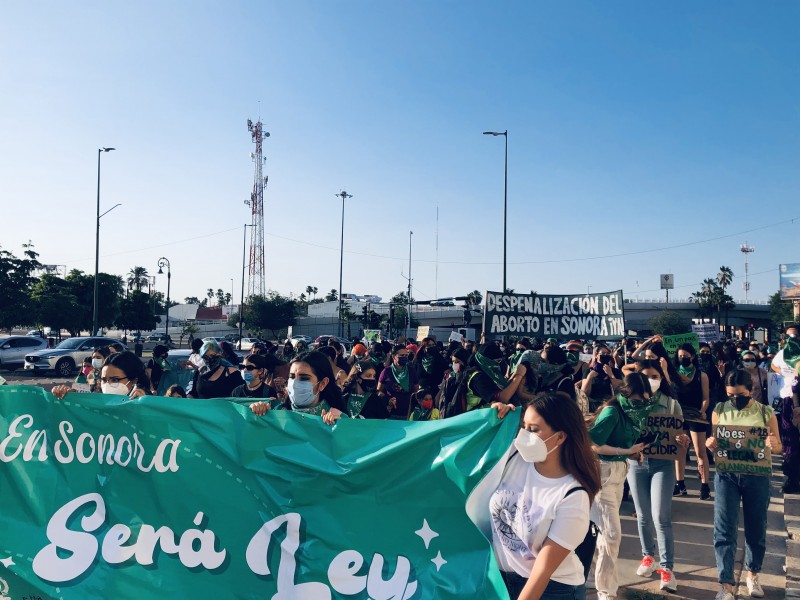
point(665, 388)
point(321, 367)
point(130, 364)
point(561, 413)
point(739, 377)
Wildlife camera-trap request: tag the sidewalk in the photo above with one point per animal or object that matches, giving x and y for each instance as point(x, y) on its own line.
point(695, 565)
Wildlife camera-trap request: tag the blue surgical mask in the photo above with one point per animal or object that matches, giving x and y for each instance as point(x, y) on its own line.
point(248, 376)
point(301, 393)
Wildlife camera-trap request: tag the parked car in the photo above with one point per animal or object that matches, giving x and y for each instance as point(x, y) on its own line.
point(323, 341)
point(217, 339)
point(37, 333)
point(158, 337)
point(14, 348)
point(64, 358)
point(306, 339)
point(246, 343)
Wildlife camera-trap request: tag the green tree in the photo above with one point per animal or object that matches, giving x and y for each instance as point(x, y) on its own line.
point(188, 329)
point(137, 278)
point(136, 313)
point(272, 312)
point(56, 306)
point(16, 281)
point(210, 295)
point(332, 296)
point(670, 323)
point(220, 295)
point(724, 279)
point(192, 300)
point(780, 311)
point(474, 298)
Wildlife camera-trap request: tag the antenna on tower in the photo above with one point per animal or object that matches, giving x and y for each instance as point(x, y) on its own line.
point(256, 202)
point(746, 250)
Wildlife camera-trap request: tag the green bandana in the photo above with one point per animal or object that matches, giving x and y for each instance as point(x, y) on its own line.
point(638, 411)
point(355, 403)
point(401, 376)
point(514, 360)
point(315, 410)
point(791, 352)
point(492, 370)
point(427, 363)
point(687, 372)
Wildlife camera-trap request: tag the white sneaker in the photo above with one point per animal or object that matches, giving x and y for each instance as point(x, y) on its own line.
point(668, 581)
point(646, 567)
point(723, 594)
point(754, 587)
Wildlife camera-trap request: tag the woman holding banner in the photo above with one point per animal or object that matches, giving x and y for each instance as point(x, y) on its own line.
point(693, 395)
point(733, 485)
point(652, 478)
point(535, 503)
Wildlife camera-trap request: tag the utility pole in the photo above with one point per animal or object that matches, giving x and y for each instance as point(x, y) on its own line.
point(408, 305)
point(746, 250)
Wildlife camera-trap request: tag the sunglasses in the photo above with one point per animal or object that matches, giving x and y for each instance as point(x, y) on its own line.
point(248, 367)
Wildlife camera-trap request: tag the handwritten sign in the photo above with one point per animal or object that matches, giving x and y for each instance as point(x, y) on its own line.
point(673, 342)
point(662, 428)
point(706, 332)
point(422, 332)
point(455, 337)
point(742, 450)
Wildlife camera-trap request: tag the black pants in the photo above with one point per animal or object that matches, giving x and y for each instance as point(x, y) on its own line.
point(553, 591)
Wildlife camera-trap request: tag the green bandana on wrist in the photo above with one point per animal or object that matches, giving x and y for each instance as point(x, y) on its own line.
point(791, 352)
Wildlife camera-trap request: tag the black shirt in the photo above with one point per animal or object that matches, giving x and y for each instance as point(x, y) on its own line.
point(222, 387)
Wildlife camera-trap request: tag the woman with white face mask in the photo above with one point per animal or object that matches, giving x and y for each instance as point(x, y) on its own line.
point(540, 510)
point(310, 389)
point(122, 374)
point(757, 374)
point(652, 481)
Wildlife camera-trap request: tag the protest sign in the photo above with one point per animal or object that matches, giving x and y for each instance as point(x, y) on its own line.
point(455, 337)
point(372, 335)
point(775, 385)
point(106, 497)
point(422, 332)
point(673, 342)
point(662, 429)
point(585, 316)
point(706, 332)
point(742, 450)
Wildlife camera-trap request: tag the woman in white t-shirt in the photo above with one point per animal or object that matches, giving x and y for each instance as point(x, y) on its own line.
point(540, 509)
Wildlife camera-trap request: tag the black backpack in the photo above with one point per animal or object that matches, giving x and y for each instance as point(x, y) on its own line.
point(585, 550)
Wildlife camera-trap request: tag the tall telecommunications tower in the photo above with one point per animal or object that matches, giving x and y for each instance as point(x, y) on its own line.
point(746, 249)
point(256, 203)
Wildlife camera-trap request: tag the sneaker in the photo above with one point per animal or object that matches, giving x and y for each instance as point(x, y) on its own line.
point(723, 594)
point(668, 581)
point(646, 567)
point(705, 492)
point(754, 587)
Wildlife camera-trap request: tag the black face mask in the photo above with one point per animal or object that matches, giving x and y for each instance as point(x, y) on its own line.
point(213, 362)
point(686, 361)
point(369, 384)
point(740, 400)
point(705, 358)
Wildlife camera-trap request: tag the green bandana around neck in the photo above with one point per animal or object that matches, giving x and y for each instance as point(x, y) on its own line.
point(638, 412)
point(686, 371)
point(401, 376)
point(427, 363)
point(492, 370)
point(356, 403)
point(791, 352)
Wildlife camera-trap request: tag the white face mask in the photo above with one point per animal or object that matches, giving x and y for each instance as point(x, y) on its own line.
point(531, 447)
point(456, 367)
point(118, 388)
point(749, 364)
point(97, 363)
point(655, 384)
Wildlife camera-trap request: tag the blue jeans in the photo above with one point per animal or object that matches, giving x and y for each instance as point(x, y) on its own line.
point(651, 485)
point(753, 491)
point(553, 591)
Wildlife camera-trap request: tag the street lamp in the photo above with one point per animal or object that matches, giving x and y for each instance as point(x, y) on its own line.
point(241, 306)
point(163, 262)
point(97, 244)
point(343, 195)
point(505, 203)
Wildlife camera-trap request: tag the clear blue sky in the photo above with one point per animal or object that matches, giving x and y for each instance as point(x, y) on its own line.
point(633, 126)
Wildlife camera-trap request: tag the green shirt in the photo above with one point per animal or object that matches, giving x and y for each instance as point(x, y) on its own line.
point(755, 415)
point(613, 429)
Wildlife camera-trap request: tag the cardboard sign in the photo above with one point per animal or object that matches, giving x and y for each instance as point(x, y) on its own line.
point(422, 332)
point(455, 337)
point(742, 450)
point(774, 387)
point(664, 428)
point(673, 342)
point(706, 332)
point(584, 316)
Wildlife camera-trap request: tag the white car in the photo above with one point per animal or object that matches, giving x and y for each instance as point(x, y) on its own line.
point(14, 348)
point(246, 343)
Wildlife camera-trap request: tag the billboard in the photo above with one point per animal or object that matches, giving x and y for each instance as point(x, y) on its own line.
point(583, 316)
point(790, 281)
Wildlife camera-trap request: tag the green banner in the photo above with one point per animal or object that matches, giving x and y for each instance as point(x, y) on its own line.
point(104, 497)
point(673, 342)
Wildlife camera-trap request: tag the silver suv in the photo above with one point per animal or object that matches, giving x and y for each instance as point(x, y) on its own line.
point(14, 348)
point(66, 356)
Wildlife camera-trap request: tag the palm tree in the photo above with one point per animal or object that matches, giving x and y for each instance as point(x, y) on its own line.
point(309, 290)
point(210, 294)
point(725, 277)
point(136, 278)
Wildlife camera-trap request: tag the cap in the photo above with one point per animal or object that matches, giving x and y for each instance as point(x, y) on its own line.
point(574, 345)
